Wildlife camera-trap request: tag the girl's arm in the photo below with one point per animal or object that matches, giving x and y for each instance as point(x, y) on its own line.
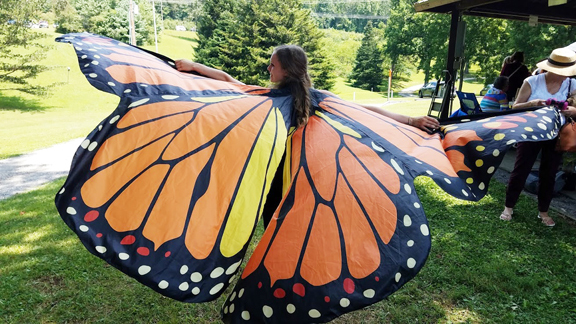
point(187, 65)
point(425, 123)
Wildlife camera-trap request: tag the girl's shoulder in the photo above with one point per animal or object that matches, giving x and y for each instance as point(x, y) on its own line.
point(495, 91)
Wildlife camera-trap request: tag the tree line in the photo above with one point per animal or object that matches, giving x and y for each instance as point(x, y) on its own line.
point(238, 36)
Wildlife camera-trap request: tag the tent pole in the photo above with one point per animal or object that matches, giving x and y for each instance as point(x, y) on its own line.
point(450, 73)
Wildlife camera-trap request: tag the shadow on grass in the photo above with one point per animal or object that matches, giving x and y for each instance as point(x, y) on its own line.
point(189, 39)
point(17, 103)
point(480, 269)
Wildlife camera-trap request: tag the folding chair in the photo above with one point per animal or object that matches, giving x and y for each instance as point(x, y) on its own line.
point(468, 103)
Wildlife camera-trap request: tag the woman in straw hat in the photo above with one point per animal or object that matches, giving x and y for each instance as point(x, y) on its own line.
point(554, 83)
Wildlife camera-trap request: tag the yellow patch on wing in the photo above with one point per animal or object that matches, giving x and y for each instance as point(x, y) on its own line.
point(216, 99)
point(338, 125)
point(248, 201)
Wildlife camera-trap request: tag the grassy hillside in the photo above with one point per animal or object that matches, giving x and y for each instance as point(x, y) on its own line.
point(74, 108)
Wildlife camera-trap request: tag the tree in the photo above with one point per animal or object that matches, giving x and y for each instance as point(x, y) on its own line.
point(368, 72)
point(324, 11)
point(484, 39)
point(247, 32)
point(66, 16)
point(20, 51)
point(537, 42)
point(106, 17)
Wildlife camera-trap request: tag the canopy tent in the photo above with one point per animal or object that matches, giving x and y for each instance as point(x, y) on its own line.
point(542, 11)
point(561, 12)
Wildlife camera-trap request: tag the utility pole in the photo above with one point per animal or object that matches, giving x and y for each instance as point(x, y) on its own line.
point(154, 17)
point(162, 13)
point(132, 28)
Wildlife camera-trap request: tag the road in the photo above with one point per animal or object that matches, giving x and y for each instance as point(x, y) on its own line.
point(29, 171)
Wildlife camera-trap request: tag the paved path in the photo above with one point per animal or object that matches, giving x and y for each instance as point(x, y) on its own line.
point(29, 171)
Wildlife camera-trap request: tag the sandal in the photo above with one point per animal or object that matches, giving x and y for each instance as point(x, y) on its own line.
point(547, 220)
point(505, 216)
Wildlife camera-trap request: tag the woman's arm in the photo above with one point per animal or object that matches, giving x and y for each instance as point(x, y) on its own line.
point(187, 65)
point(425, 123)
point(523, 95)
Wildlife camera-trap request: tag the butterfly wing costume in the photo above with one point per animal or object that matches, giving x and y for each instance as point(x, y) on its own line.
point(170, 187)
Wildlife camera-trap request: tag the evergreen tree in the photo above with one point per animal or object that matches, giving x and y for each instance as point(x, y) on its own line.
point(244, 37)
point(107, 18)
point(368, 72)
point(20, 51)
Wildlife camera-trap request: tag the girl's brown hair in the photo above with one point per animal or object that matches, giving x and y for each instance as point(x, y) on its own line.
point(294, 62)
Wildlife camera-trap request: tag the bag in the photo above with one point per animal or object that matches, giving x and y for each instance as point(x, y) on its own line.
point(567, 137)
point(533, 181)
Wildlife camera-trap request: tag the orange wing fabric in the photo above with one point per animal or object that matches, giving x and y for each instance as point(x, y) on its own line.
point(351, 229)
point(170, 186)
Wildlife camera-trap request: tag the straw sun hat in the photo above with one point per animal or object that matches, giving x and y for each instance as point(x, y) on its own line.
point(562, 61)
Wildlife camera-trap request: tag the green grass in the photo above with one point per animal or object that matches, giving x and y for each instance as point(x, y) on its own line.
point(176, 44)
point(73, 109)
point(480, 270)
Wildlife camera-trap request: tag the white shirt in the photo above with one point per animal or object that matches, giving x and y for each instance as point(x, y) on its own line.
point(540, 90)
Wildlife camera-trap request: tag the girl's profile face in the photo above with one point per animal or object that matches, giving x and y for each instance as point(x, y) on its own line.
point(276, 71)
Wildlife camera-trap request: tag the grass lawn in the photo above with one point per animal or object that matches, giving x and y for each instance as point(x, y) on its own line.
point(480, 270)
point(73, 109)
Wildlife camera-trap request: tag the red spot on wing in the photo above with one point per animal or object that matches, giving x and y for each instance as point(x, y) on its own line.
point(167, 254)
point(260, 285)
point(299, 289)
point(128, 239)
point(348, 285)
point(99, 235)
point(279, 293)
point(327, 299)
point(144, 251)
point(91, 216)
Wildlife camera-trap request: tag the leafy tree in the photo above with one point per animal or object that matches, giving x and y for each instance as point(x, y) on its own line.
point(368, 72)
point(537, 42)
point(344, 12)
point(210, 16)
point(91, 12)
point(67, 17)
point(179, 11)
point(422, 38)
point(247, 32)
point(20, 51)
point(343, 48)
point(484, 39)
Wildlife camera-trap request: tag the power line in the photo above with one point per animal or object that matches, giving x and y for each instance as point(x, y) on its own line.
point(340, 1)
point(332, 15)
